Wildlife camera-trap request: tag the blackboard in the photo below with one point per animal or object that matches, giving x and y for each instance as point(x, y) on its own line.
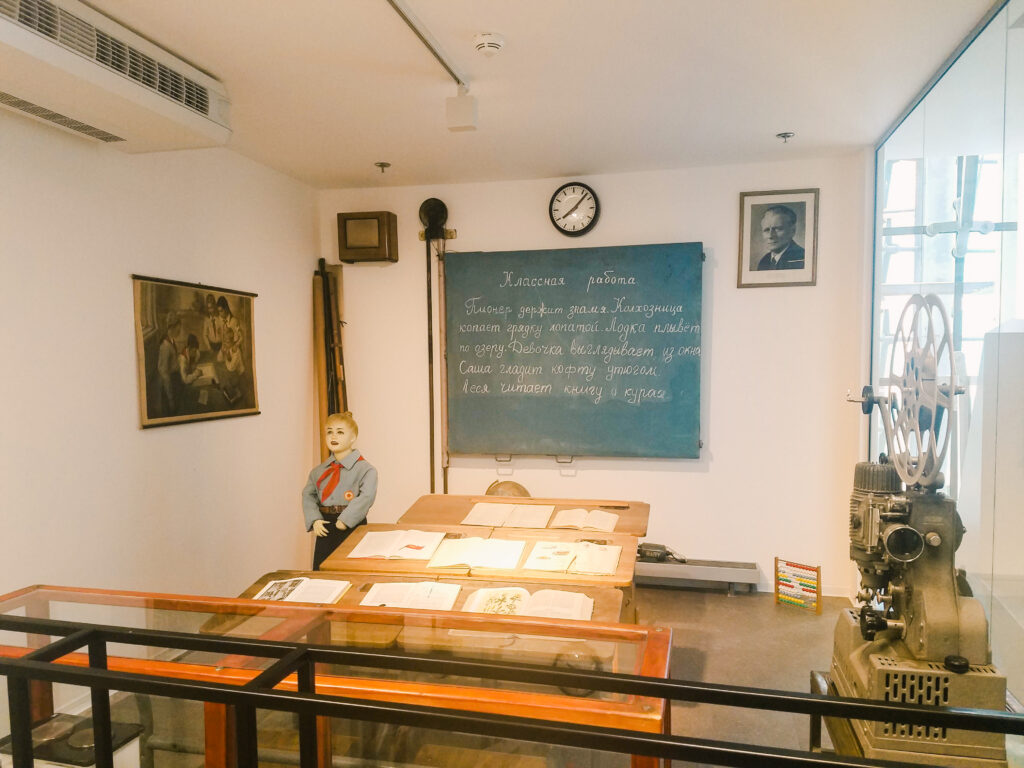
point(574, 352)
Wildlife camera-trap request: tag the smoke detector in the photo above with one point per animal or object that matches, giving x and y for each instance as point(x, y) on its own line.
point(488, 43)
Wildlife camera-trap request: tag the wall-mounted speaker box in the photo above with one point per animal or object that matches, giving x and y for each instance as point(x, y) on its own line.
point(367, 236)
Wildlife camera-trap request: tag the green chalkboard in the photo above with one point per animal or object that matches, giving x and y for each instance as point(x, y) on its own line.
point(575, 352)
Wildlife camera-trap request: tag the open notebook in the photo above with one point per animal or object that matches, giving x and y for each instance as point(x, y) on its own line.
point(516, 601)
point(304, 590)
point(498, 515)
point(425, 595)
point(595, 519)
point(413, 545)
point(475, 552)
point(583, 557)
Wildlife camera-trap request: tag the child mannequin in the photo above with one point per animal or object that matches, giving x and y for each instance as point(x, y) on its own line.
point(340, 491)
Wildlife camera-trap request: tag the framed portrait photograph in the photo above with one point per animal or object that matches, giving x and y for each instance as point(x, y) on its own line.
point(195, 351)
point(778, 238)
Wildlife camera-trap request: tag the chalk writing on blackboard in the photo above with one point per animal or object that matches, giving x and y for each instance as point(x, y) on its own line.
point(584, 352)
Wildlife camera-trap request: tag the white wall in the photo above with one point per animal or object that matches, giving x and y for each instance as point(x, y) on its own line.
point(89, 498)
point(780, 442)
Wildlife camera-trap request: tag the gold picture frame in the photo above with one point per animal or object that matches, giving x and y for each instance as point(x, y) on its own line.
point(195, 352)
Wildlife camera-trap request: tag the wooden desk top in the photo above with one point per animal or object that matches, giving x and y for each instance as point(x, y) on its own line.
point(623, 576)
point(449, 509)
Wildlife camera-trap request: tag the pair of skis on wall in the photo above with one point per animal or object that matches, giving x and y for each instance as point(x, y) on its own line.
point(329, 361)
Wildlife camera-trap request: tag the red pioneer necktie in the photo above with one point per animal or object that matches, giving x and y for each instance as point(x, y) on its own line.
point(333, 475)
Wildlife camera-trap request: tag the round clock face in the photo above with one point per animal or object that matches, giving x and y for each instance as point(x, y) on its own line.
point(574, 209)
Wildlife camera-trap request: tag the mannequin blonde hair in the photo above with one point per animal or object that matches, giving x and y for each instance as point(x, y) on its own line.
point(345, 418)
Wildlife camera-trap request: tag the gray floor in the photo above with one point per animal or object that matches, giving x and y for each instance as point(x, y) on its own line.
point(746, 640)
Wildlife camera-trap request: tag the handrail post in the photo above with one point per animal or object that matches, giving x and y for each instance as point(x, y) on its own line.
point(246, 747)
point(101, 728)
point(308, 748)
point(19, 701)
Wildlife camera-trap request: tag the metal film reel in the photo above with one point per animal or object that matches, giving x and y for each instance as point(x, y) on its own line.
point(920, 392)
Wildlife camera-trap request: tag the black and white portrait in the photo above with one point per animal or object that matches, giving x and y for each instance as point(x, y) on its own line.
point(778, 238)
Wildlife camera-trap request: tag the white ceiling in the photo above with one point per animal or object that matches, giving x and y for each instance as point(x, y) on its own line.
point(322, 89)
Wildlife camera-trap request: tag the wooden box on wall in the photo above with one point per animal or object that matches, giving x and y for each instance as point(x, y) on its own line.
point(367, 236)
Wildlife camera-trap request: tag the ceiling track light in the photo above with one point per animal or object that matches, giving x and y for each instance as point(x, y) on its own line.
point(428, 40)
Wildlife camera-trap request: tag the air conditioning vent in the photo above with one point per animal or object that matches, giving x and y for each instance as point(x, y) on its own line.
point(62, 120)
point(49, 81)
point(80, 36)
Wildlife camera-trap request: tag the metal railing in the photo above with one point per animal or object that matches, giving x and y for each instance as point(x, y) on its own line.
point(40, 664)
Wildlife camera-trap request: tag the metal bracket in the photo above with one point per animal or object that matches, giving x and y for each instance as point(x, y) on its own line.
point(449, 234)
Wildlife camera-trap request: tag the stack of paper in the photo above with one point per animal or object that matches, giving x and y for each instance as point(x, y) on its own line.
point(414, 545)
point(497, 515)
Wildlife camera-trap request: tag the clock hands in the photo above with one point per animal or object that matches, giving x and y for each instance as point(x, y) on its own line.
point(571, 210)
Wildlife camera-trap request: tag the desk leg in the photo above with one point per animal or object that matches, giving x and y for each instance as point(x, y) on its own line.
point(642, 761)
point(41, 706)
point(219, 726)
point(324, 748)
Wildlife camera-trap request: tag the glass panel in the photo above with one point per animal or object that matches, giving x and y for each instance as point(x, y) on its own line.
point(948, 203)
point(1006, 344)
point(147, 730)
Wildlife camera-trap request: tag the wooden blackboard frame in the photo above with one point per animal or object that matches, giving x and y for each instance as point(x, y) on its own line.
point(525, 422)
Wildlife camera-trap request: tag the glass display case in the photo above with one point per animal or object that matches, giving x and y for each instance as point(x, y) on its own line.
point(181, 732)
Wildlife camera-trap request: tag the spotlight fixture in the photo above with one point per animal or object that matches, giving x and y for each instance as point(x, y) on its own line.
point(461, 111)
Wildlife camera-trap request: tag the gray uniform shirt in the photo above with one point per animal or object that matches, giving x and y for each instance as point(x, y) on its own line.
point(356, 490)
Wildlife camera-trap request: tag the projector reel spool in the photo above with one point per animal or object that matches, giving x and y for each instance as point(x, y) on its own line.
point(918, 398)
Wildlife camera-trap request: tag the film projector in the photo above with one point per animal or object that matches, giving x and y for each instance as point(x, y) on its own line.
point(918, 635)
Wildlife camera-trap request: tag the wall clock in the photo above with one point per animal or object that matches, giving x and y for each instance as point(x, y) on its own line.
point(574, 209)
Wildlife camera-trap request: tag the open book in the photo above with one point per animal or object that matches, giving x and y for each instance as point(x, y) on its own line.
point(431, 595)
point(595, 519)
point(498, 515)
point(413, 545)
point(207, 376)
point(516, 601)
point(474, 552)
point(304, 590)
point(582, 557)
